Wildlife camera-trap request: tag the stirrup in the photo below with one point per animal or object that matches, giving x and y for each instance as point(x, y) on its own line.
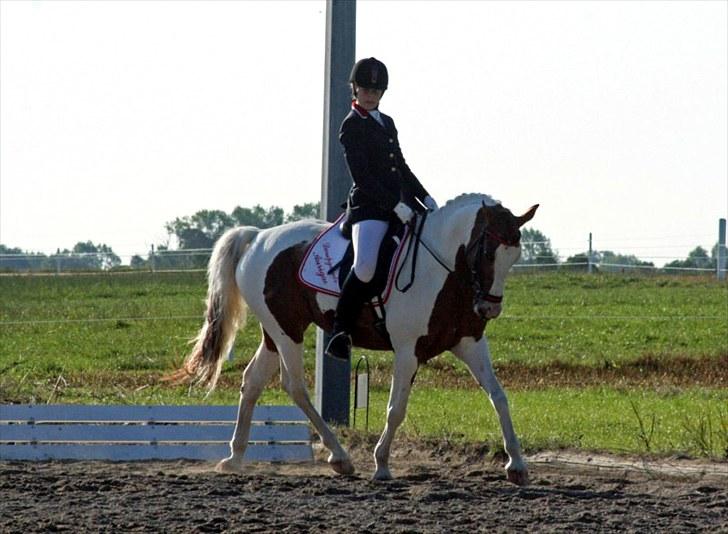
point(339, 347)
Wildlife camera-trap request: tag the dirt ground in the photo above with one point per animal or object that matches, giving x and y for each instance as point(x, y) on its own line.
point(438, 489)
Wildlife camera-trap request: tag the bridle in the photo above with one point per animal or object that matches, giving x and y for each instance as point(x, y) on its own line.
point(479, 295)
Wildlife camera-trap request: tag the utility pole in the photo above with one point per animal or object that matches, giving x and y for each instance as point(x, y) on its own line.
point(332, 376)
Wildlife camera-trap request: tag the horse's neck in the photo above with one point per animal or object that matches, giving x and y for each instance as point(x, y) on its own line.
point(448, 231)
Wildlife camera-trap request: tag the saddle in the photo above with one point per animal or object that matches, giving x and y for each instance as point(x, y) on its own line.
point(330, 256)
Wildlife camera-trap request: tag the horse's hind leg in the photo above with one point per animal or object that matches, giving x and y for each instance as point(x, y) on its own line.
point(405, 367)
point(292, 376)
point(256, 375)
point(476, 356)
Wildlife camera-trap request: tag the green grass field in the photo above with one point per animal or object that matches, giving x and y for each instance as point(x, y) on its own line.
point(108, 338)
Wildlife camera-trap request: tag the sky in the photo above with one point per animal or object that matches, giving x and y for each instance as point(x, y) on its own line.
point(117, 117)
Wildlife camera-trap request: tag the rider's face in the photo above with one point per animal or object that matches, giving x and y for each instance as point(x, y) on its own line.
point(368, 98)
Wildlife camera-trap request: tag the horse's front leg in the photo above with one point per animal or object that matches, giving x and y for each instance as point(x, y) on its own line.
point(405, 367)
point(476, 356)
point(256, 375)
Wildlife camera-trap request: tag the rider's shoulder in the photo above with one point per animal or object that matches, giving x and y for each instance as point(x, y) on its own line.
point(352, 122)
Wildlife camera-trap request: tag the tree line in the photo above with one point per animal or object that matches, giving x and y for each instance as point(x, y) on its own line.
point(192, 236)
point(84, 256)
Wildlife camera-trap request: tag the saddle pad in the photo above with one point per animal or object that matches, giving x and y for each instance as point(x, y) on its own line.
point(326, 251)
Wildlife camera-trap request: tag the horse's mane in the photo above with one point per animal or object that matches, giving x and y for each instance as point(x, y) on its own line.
point(467, 199)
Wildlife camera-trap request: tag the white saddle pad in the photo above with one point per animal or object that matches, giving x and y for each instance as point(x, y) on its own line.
point(326, 251)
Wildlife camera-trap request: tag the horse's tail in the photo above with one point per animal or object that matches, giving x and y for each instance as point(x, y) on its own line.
point(226, 310)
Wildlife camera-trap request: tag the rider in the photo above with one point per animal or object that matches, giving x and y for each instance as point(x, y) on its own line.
point(384, 188)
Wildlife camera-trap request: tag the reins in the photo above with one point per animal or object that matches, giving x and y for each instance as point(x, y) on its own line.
point(414, 240)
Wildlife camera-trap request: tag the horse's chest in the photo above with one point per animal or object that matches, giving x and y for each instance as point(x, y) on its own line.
point(451, 320)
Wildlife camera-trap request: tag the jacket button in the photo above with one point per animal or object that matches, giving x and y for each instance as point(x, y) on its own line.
point(391, 154)
point(394, 169)
point(391, 140)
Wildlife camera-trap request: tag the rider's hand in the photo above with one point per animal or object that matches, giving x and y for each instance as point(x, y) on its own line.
point(404, 212)
point(430, 203)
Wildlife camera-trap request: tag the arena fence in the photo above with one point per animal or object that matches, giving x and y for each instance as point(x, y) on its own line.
point(128, 433)
point(580, 257)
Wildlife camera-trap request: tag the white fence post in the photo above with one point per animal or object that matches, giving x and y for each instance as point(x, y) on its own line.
point(720, 265)
point(151, 258)
point(589, 256)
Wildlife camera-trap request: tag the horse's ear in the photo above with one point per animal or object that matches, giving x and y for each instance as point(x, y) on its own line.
point(523, 219)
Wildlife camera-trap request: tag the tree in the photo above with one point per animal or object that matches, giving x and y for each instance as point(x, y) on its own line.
point(309, 210)
point(200, 230)
point(697, 259)
point(536, 248)
point(15, 259)
point(137, 262)
point(204, 228)
point(578, 262)
point(257, 216)
point(85, 255)
point(609, 257)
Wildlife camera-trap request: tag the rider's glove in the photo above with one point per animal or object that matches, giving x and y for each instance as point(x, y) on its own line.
point(430, 203)
point(404, 212)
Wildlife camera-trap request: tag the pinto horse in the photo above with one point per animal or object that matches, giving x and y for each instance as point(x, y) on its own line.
point(469, 245)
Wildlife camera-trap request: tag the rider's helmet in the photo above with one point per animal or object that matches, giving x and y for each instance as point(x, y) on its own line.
point(370, 73)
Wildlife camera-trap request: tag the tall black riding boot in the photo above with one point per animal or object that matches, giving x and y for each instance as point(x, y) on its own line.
point(354, 293)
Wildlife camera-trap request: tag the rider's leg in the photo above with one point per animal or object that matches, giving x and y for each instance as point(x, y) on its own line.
point(366, 237)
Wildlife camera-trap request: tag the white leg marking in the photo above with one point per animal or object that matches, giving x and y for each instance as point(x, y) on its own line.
point(256, 375)
point(476, 356)
point(405, 367)
point(294, 383)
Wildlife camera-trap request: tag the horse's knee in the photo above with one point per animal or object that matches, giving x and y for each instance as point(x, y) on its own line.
point(250, 390)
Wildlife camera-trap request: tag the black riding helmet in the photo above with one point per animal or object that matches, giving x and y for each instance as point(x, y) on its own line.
point(370, 73)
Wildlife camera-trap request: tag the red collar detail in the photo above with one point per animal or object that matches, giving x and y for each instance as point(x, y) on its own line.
point(363, 113)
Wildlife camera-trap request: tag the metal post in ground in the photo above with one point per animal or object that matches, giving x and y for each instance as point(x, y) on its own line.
point(361, 390)
point(720, 266)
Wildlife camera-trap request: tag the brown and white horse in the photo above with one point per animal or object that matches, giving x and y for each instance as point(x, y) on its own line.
point(469, 245)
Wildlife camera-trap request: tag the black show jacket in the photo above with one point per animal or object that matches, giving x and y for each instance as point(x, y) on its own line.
point(381, 175)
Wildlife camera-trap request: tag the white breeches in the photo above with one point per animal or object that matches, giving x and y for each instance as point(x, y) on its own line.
point(366, 237)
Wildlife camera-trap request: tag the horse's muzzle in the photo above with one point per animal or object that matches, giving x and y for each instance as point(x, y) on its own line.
point(487, 310)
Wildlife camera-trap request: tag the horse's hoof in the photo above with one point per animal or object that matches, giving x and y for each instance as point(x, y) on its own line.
point(342, 467)
point(229, 465)
point(519, 478)
point(382, 473)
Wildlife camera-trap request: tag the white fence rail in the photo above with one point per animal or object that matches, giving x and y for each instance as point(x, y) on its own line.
point(124, 433)
point(195, 261)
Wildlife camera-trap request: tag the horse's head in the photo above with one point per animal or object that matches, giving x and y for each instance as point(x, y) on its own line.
point(495, 245)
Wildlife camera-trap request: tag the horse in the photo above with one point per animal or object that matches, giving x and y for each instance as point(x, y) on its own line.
point(469, 245)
